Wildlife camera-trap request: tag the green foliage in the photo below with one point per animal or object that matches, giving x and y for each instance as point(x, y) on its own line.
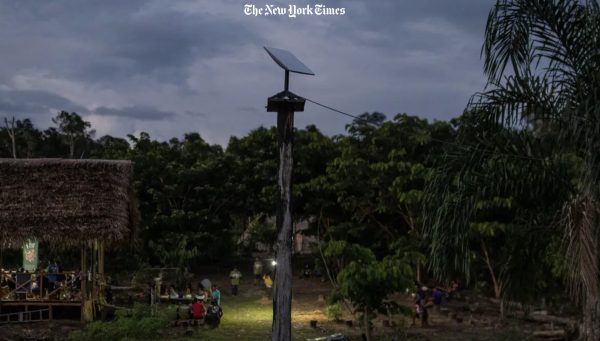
point(334, 312)
point(487, 209)
point(369, 194)
point(374, 187)
point(367, 282)
point(73, 128)
point(541, 106)
point(182, 190)
point(135, 324)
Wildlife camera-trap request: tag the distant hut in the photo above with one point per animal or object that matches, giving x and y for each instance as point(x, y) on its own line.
point(85, 204)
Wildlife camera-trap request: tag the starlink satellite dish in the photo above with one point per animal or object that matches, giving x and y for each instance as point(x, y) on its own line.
point(288, 61)
point(286, 100)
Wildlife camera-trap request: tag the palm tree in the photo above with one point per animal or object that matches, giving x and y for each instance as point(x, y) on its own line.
point(542, 60)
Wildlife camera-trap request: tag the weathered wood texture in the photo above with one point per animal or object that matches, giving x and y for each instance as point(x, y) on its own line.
point(282, 299)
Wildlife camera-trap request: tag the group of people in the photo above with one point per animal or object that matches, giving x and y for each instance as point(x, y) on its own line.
point(210, 315)
point(260, 276)
point(423, 300)
point(48, 281)
point(205, 305)
point(204, 293)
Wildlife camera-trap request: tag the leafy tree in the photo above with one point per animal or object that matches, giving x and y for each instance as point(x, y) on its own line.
point(74, 128)
point(367, 282)
point(552, 51)
point(252, 178)
point(111, 148)
point(19, 138)
point(313, 151)
point(374, 188)
point(179, 185)
point(542, 60)
point(485, 213)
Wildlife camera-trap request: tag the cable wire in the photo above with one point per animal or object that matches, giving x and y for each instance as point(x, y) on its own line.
point(336, 110)
point(463, 146)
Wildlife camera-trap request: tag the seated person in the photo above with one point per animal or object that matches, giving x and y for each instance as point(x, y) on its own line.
point(183, 312)
point(10, 279)
point(4, 279)
point(213, 315)
point(197, 311)
point(188, 292)
point(172, 293)
point(35, 288)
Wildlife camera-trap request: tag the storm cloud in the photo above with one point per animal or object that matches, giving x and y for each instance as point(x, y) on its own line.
point(131, 66)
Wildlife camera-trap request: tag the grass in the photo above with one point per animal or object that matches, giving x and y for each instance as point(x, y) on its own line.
point(244, 318)
point(250, 318)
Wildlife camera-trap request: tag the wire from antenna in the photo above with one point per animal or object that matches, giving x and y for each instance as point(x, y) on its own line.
point(458, 145)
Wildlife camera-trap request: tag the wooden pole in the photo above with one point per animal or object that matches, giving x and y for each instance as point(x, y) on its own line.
point(282, 299)
point(101, 259)
point(82, 277)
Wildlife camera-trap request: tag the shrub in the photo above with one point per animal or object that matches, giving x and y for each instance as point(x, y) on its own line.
point(334, 312)
point(137, 323)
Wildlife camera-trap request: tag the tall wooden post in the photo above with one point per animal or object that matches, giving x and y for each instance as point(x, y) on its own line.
point(282, 300)
point(285, 104)
point(83, 284)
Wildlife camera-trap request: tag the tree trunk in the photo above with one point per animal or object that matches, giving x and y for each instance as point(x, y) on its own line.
point(583, 251)
point(71, 147)
point(589, 328)
point(367, 329)
point(282, 299)
point(495, 281)
point(11, 133)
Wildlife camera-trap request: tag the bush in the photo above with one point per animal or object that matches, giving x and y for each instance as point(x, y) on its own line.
point(137, 323)
point(334, 312)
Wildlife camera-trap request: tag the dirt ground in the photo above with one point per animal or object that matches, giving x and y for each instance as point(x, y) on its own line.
point(466, 318)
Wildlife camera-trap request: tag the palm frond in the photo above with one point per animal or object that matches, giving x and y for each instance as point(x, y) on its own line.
point(580, 217)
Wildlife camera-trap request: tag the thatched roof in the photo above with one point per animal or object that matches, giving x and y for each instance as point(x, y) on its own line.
point(65, 202)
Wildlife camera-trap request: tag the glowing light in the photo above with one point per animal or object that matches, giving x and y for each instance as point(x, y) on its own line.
point(273, 262)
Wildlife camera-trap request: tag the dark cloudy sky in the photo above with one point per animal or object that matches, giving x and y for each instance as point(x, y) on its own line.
point(172, 66)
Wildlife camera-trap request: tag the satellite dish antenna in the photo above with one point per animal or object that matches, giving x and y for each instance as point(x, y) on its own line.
point(289, 63)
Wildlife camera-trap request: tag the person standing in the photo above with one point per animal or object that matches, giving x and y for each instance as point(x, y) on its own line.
point(421, 307)
point(216, 295)
point(437, 298)
point(235, 276)
point(257, 270)
point(52, 277)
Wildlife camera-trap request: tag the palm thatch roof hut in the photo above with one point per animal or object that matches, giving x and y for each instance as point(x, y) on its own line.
point(68, 203)
point(65, 202)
